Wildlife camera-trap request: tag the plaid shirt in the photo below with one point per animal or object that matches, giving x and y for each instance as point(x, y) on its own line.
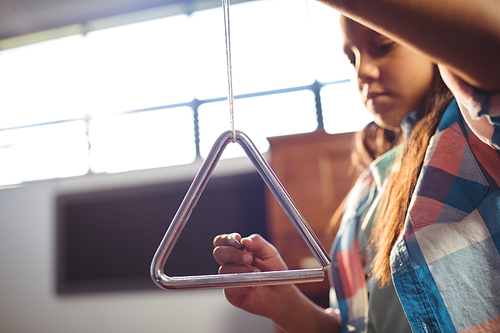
point(446, 264)
point(351, 260)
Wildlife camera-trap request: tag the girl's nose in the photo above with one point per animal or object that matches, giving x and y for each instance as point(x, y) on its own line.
point(367, 69)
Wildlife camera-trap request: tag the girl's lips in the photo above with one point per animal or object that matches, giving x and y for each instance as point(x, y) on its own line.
point(374, 95)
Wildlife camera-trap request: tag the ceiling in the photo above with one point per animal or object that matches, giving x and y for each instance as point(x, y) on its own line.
point(21, 17)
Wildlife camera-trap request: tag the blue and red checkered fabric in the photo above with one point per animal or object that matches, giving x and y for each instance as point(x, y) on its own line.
point(351, 257)
point(446, 265)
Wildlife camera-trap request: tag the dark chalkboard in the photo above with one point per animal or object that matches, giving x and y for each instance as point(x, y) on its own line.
point(106, 239)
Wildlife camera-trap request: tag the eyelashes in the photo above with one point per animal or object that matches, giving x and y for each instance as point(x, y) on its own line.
point(385, 47)
point(375, 49)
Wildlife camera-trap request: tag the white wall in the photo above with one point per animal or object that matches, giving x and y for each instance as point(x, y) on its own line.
point(29, 303)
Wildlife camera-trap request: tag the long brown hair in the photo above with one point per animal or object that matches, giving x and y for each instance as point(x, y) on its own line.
point(392, 213)
point(369, 143)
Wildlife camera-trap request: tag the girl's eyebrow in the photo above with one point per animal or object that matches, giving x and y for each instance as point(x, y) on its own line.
point(382, 38)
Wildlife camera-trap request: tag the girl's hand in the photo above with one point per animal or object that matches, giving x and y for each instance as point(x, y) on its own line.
point(258, 256)
point(284, 304)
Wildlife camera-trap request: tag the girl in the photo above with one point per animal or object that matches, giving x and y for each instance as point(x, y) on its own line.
point(418, 248)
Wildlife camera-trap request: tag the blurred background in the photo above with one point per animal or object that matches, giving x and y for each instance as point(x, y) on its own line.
point(107, 109)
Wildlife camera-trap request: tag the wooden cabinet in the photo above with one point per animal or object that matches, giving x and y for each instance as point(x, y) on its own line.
point(315, 168)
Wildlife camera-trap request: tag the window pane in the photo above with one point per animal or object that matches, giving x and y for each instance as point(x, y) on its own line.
point(43, 152)
point(342, 109)
point(142, 140)
point(259, 118)
point(41, 83)
point(270, 50)
point(139, 66)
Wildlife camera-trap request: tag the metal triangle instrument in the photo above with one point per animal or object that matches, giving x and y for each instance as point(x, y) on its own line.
point(241, 279)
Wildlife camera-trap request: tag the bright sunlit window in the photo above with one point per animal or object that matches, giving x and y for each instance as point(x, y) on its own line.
point(41, 152)
point(342, 108)
point(142, 65)
point(258, 117)
point(142, 140)
point(42, 83)
point(153, 94)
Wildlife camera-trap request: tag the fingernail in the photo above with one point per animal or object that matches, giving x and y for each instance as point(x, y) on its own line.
point(247, 258)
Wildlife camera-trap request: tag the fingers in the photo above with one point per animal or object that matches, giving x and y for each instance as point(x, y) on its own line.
point(266, 257)
point(232, 269)
point(259, 247)
point(258, 252)
point(235, 240)
point(225, 252)
point(227, 239)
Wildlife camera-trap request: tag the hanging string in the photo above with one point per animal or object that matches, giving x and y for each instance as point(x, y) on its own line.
point(225, 6)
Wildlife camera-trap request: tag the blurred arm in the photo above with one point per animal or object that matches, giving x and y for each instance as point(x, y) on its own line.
point(463, 35)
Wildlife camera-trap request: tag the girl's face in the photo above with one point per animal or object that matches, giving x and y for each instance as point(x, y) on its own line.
point(392, 79)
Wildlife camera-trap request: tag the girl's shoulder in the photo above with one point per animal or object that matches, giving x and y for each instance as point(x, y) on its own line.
point(480, 109)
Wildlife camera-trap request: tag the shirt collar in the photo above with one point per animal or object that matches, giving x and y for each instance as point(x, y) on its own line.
point(384, 165)
point(410, 121)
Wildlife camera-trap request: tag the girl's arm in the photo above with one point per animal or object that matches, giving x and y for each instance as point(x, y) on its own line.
point(463, 35)
point(302, 315)
point(284, 304)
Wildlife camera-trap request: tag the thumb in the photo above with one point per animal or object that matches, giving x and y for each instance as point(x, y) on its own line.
point(266, 257)
point(259, 247)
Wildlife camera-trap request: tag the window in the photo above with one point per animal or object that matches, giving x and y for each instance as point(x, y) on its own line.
point(342, 108)
point(41, 152)
point(153, 93)
point(142, 140)
point(259, 117)
point(139, 66)
point(41, 83)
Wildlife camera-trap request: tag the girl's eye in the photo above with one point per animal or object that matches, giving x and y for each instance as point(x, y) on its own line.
point(386, 46)
point(382, 48)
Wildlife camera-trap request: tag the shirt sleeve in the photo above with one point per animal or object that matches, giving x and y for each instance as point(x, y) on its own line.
point(481, 110)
